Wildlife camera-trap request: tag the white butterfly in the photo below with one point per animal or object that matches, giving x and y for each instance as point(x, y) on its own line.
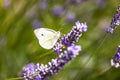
point(47, 37)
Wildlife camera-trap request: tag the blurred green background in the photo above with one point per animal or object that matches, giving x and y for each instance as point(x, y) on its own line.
point(19, 46)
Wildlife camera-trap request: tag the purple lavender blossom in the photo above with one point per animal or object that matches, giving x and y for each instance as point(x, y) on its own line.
point(71, 37)
point(115, 21)
point(74, 2)
point(58, 10)
point(36, 24)
point(115, 61)
point(43, 4)
point(41, 72)
point(70, 17)
point(81, 26)
point(7, 3)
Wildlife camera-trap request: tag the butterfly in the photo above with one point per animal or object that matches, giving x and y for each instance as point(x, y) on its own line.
point(47, 37)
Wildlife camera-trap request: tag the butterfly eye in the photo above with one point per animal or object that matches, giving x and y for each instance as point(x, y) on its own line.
point(42, 35)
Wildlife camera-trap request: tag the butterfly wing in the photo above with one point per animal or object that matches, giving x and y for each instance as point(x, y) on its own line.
point(50, 42)
point(47, 37)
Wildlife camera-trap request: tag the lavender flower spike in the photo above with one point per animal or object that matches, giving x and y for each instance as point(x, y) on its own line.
point(41, 72)
point(115, 61)
point(115, 21)
point(70, 38)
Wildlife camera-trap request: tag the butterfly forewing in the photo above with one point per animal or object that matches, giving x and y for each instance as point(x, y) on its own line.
point(47, 37)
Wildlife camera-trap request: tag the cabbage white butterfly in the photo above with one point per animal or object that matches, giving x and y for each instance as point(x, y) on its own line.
point(47, 37)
